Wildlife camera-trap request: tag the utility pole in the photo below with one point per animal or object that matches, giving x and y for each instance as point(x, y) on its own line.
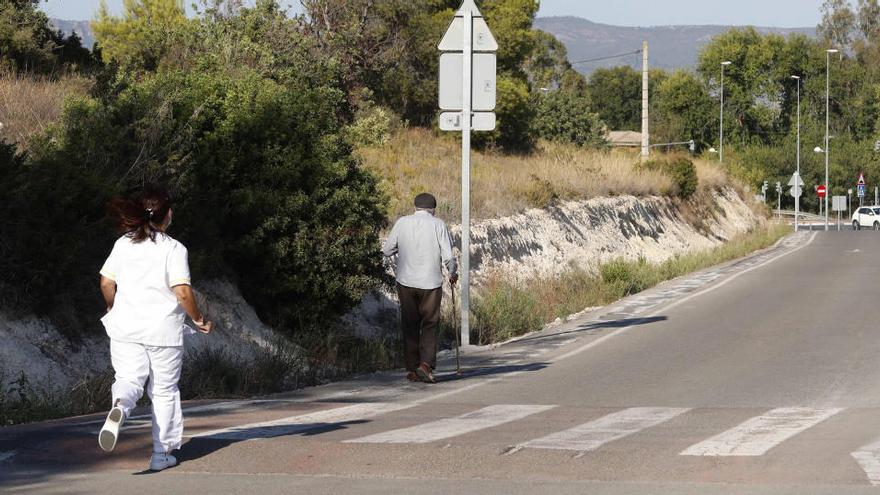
point(797, 198)
point(646, 141)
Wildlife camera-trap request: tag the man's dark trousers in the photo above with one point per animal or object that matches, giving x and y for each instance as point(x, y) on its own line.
point(419, 316)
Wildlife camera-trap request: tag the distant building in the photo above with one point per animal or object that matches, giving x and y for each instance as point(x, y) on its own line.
point(624, 139)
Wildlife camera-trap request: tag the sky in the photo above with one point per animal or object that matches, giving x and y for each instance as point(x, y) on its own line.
point(776, 13)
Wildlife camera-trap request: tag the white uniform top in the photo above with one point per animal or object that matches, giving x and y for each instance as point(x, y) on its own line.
point(421, 243)
point(146, 310)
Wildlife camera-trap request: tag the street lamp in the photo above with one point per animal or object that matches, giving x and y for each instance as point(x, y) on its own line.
point(797, 197)
point(827, 109)
point(721, 129)
point(818, 149)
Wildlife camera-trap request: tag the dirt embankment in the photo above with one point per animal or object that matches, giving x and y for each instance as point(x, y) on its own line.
point(538, 242)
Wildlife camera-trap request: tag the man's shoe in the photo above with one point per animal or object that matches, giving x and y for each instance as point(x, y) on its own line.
point(413, 377)
point(110, 431)
point(162, 461)
point(424, 372)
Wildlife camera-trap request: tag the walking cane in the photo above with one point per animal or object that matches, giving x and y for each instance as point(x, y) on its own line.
point(457, 331)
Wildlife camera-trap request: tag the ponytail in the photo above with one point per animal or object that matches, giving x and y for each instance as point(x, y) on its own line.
point(141, 215)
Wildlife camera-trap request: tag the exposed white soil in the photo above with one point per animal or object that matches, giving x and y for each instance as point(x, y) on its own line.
point(538, 242)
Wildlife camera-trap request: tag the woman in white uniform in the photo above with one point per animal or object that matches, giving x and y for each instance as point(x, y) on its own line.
point(146, 285)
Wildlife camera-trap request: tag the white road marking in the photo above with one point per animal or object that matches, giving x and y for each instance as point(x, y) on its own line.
point(239, 405)
point(486, 417)
point(216, 407)
point(868, 458)
point(304, 422)
point(5, 456)
point(760, 434)
point(717, 286)
point(590, 436)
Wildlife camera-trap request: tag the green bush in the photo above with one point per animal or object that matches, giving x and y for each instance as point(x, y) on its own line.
point(503, 310)
point(515, 117)
point(268, 194)
point(623, 278)
point(568, 118)
point(682, 172)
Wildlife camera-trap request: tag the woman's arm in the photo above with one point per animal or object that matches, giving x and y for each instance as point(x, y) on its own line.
point(108, 289)
point(187, 300)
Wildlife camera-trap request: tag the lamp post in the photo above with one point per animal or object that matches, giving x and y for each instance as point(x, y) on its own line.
point(797, 197)
point(827, 120)
point(721, 128)
point(818, 149)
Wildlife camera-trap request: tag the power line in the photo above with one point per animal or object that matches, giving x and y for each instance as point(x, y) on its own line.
point(621, 55)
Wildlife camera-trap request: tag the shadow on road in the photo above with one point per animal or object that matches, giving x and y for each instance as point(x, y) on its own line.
point(597, 326)
point(199, 447)
point(486, 371)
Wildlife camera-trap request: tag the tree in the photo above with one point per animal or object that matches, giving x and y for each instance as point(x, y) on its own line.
point(511, 23)
point(28, 43)
point(567, 117)
point(869, 20)
point(684, 110)
point(143, 34)
point(616, 95)
point(548, 67)
point(838, 24)
point(515, 118)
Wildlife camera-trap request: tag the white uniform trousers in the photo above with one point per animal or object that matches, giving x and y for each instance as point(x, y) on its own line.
point(134, 364)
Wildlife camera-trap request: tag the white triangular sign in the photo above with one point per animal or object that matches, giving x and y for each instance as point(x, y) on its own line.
point(796, 181)
point(861, 179)
point(453, 39)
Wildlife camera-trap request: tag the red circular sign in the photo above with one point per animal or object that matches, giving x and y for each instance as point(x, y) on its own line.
point(821, 191)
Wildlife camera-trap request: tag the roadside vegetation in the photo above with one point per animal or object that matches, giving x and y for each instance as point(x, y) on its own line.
point(416, 160)
point(30, 103)
point(505, 308)
point(291, 141)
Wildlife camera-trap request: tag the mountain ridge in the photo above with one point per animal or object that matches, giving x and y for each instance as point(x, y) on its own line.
point(674, 46)
point(669, 46)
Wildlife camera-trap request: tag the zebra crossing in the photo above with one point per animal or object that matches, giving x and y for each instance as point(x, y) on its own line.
point(753, 436)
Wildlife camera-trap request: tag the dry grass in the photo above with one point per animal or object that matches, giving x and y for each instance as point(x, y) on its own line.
point(29, 103)
point(417, 160)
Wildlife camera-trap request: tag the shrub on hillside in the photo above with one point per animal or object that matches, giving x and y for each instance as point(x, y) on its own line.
point(515, 117)
point(267, 191)
point(568, 118)
point(682, 172)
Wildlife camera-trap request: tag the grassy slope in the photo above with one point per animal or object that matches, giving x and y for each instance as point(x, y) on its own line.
point(28, 104)
point(417, 160)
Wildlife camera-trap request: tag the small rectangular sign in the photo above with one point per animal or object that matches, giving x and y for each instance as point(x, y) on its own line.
point(452, 85)
point(861, 190)
point(481, 121)
point(838, 203)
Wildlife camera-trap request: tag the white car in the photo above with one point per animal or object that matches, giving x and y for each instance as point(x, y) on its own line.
point(866, 217)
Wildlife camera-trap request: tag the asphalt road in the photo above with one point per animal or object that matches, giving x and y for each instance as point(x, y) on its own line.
point(759, 376)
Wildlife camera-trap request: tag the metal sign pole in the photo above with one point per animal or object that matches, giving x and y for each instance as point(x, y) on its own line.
point(466, 178)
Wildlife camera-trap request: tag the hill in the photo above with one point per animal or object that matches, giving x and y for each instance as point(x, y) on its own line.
point(670, 47)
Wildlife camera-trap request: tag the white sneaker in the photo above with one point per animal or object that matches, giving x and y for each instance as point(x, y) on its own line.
point(110, 430)
point(162, 461)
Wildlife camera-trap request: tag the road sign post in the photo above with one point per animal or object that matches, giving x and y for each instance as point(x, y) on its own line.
point(779, 197)
point(797, 189)
point(860, 185)
point(467, 94)
point(839, 205)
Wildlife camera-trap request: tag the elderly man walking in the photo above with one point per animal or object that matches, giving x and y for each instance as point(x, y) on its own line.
point(422, 245)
